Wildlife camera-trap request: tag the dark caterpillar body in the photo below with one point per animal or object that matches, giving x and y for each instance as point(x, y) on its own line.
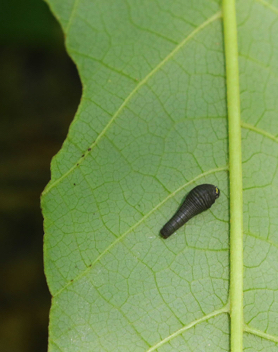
point(198, 200)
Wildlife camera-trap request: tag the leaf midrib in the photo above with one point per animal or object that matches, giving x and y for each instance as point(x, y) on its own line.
point(235, 175)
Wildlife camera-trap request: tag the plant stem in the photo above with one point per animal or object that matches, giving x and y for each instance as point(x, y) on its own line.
point(236, 211)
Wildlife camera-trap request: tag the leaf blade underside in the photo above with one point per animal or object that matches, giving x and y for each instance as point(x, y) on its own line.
point(153, 114)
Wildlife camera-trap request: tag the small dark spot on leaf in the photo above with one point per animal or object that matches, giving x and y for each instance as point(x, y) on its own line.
point(90, 265)
point(83, 155)
point(77, 164)
point(71, 280)
point(89, 149)
point(74, 184)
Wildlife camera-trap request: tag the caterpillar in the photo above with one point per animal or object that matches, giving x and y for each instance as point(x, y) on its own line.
point(198, 200)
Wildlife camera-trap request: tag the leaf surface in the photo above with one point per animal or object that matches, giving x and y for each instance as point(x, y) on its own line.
point(152, 124)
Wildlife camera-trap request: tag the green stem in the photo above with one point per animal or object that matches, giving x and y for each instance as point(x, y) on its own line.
point(236, 211)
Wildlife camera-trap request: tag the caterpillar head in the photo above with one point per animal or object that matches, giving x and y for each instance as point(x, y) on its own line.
point(217, 192)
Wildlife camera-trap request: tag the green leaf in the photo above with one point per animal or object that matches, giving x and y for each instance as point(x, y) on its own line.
point(152, 124)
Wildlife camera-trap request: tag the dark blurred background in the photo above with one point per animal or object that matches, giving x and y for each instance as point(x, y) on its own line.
point(39, 94)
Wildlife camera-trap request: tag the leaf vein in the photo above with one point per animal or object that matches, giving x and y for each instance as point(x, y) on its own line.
point(271, 7)
point(224, 168)
point(259, 130)
point(75, 5)
point(187, 327)
point(140, 84)
point(261, 334)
